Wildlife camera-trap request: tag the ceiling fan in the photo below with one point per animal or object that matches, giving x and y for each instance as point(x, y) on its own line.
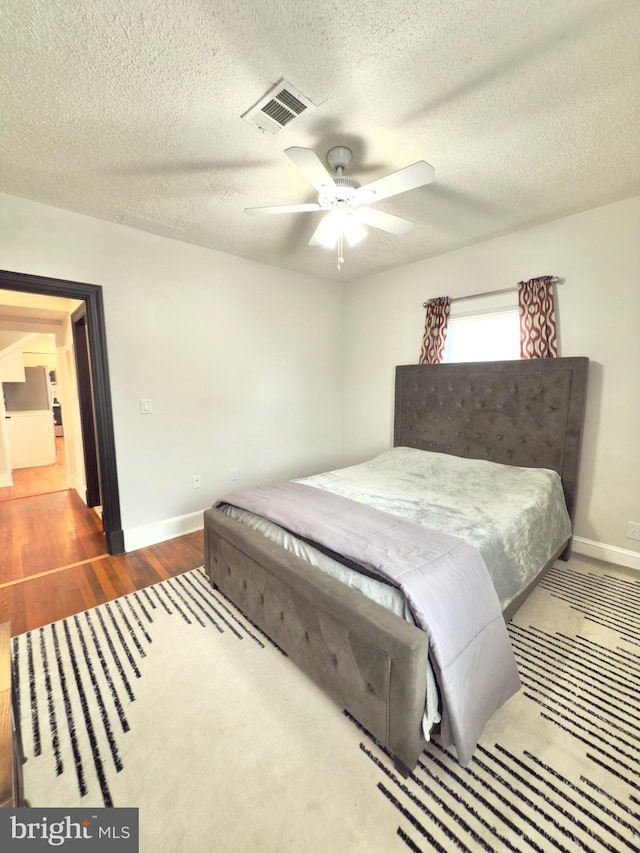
point(345, 200)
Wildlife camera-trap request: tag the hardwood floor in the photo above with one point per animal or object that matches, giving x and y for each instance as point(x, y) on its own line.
point(45, 532)
point(53, 561)
point(42, 479)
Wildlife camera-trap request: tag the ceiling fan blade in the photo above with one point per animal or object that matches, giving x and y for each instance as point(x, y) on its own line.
point(409, 178)
point(283, 208)
point(310, 165)
point(384, 221)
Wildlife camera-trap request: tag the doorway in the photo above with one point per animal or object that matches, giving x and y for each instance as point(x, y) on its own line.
point(96, 394)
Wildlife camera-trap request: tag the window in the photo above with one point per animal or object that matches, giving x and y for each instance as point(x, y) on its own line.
point(483, 337)
point(490, 331)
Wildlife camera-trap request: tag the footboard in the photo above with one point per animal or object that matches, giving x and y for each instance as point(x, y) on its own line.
point(371, 662)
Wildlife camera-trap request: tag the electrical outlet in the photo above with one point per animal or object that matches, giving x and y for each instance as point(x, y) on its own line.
point(633, 530)
point(235, 474)
point(197, 481)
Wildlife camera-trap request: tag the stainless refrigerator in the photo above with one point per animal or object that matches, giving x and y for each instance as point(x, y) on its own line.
point(33, 395)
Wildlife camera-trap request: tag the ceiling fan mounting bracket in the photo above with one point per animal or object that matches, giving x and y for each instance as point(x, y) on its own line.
point(339, 157)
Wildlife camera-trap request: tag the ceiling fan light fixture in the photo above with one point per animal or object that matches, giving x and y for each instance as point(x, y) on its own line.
point(354, 231)
point(329, 230)
point(337, 224)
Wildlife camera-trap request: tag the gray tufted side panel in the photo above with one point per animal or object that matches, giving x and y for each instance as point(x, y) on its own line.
point(369, 661)
point(527, 413)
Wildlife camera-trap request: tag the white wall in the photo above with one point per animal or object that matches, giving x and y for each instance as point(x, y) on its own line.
point(242, 362)
point(598, 255)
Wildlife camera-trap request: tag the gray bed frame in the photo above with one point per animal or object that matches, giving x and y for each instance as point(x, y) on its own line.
point(370, 661)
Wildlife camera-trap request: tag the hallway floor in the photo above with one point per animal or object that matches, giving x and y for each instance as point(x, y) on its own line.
point(42, 479)
point(53, 560)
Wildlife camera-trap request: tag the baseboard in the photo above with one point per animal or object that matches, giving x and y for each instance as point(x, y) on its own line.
point(80, 488)
point(160, 531)
point(606, 553)
point(6, 480)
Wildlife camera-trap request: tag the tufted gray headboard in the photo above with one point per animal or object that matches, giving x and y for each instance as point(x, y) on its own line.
point(527, 413)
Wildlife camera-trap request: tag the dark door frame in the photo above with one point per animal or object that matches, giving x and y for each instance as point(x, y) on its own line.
point(91, 295)
point(87, 410)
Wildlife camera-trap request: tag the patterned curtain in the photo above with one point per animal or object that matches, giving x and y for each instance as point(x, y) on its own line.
point(435, 330)
point(538, 333)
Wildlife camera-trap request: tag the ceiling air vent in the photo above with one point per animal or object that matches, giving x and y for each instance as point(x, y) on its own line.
point(277, 108)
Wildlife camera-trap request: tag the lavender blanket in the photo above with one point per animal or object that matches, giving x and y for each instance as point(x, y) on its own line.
point(444, 579)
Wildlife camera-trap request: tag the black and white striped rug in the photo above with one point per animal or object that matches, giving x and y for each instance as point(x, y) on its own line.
point(168, 700)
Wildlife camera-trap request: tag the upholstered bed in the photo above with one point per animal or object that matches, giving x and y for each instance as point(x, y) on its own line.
point(373, 662)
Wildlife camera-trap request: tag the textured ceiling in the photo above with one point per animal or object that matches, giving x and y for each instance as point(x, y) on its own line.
point(129, 111)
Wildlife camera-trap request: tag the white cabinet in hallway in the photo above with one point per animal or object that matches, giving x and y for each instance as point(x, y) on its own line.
point(32, 438)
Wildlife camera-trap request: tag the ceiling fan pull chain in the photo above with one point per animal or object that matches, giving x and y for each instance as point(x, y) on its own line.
point(340, 250)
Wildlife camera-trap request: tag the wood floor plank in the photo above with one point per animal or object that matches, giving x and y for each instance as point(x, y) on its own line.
point(109, 580)
point(141, 568)
point(98, 595)
point(12, 606)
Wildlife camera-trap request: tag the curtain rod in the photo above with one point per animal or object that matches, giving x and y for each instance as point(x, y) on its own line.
point(555, 280)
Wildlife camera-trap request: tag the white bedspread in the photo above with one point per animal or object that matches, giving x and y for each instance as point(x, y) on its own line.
point(515, 517)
